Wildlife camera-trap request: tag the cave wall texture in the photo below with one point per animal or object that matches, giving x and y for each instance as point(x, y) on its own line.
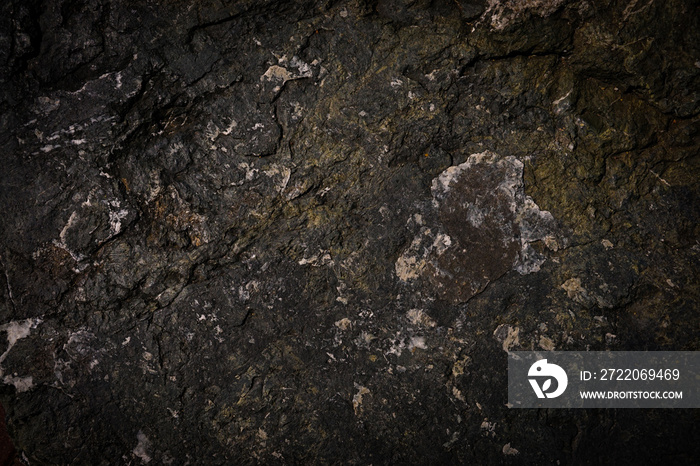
point(308, 232)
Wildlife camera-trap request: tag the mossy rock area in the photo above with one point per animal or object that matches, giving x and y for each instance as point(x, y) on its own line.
point(308, 232)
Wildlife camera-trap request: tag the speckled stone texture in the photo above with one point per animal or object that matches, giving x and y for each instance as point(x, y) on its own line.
point(308, 232)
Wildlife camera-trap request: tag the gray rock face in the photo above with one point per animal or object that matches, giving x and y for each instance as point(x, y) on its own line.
point(486, 227)
point(242, 232)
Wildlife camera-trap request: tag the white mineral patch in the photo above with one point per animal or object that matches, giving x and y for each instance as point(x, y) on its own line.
point(447, 177)
point(441, 243)
point(505, 12)
point(413, 261)
point(61, 243)
point(508, 336)
point(574, 290)
point(250, 172)
point(304, 68)
point(364, 339)
point(229, 128)
point(22, 384)
point(282, 75)
point(562, 104)
point(398, 345)
point(417, 342)
point(141, 449)
point(16, 331)
point(457, 393)
point(344, 323)
point(442, 184)
point(298, 110)
point(155, 186)
point(508, 450)
point(418, 317)
point(530, 260)
point(489, 427)
point(357, 398)
point(476, 215)
point(408, 267)
point(317, 260)
point(276, 73)
point(115, 218)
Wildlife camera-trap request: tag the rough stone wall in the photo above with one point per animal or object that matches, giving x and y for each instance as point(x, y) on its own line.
point(307, 232)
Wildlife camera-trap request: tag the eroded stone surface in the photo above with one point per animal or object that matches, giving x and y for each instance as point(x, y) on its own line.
point(305, 232)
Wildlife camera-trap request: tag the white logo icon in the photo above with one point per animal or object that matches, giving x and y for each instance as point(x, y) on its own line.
point(542, 369)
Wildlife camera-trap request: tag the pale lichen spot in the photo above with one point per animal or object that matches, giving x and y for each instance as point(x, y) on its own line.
point(508, 336)
point(357, 398)
point(510, 451)
point(344, 323)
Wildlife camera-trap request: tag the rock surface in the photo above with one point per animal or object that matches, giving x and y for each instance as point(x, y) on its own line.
point(239, 232)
